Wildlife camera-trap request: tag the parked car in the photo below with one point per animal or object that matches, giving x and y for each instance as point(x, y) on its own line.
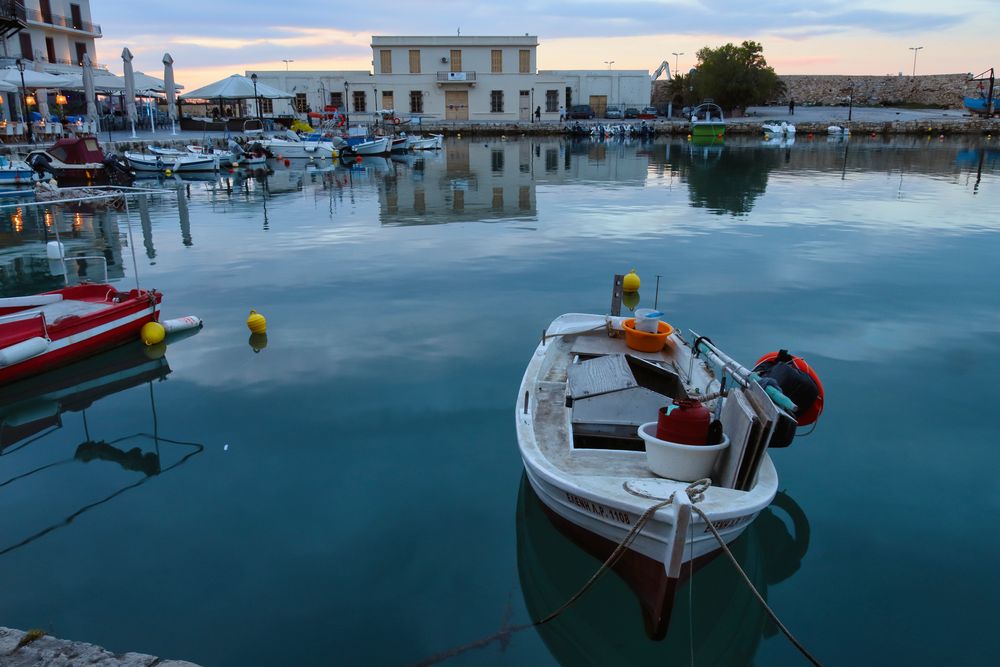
point(648, 112)
point(613, 113)
point(580, 111)
point(631, 112)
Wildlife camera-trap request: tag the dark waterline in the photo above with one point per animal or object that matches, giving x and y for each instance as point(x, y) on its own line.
point(351, 493)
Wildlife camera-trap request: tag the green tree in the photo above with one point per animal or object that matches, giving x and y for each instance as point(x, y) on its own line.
point(735, 76)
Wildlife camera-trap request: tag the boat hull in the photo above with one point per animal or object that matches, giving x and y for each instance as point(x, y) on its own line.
point(708, 129)
point(77, 337)
point(300, 149)
point(179, 164)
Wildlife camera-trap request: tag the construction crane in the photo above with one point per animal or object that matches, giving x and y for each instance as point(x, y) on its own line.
point(663, 68)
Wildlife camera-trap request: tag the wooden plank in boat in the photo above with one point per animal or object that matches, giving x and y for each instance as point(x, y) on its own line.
point(768, 415)
point(740, 423)
point(600, 376)
point(602, 344)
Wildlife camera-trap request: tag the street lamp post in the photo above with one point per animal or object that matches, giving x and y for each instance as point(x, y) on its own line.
point(24, 101)
point(256, 99)
point(850, 102)
point(915, 49)
point(677, 60)
point(609, 63)
point(286, 63)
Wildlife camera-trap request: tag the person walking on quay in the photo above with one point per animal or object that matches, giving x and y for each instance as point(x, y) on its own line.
point(791, 107)
point(538, 114)
point(562, 113)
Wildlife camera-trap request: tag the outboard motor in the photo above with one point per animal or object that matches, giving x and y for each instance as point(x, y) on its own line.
point(118, 172)
point(41, 164)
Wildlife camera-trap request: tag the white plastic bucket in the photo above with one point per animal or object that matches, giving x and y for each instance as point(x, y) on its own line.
point(648, 320)
point(685, 463)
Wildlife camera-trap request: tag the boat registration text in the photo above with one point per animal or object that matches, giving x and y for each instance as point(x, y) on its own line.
point(599, 510)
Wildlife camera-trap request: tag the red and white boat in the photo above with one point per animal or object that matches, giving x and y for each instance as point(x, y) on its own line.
point(48, 330)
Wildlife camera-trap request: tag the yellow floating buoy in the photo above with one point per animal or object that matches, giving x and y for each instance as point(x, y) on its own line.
point(256, 322)
point(631, 282)
point(152, 333)
point(257, 342)
point(169, 172)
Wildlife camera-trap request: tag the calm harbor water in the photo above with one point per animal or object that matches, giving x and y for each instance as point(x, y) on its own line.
point(352, 493)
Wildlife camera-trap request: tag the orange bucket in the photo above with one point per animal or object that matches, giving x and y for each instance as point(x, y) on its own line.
point(644, 341)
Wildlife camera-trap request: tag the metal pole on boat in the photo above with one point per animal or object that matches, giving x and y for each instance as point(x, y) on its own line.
point(656, 297)
point(131, 241)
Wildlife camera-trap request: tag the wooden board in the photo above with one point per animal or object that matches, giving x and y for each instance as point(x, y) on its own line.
point(600, 376)
point(601, 344)
point(740, 423)
point(768, 415)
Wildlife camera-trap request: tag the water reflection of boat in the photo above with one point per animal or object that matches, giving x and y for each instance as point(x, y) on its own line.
point(724, 621)
point(34, 408)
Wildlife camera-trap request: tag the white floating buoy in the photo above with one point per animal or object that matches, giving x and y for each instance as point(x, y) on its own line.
point(55, 250)
point(181, 324)
point(26, 349)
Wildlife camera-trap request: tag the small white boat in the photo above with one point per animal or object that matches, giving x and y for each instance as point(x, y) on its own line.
point(185, 162)
point(586, 418)
point(290, 145)
point(376, 146)
point(776, 128)
point(837, 129)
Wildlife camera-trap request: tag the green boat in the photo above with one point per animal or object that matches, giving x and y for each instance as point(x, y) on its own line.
point(707, 121)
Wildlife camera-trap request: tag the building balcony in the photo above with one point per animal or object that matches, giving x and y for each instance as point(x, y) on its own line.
point(468, 78)
point(69, 65)
point(36, 17)
point(13, 17)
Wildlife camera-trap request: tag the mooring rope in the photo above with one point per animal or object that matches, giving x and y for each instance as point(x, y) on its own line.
point(695, 493)
point(753, 589)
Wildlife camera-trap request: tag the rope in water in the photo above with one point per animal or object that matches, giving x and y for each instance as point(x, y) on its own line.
point(695, 493)
point(753, 589)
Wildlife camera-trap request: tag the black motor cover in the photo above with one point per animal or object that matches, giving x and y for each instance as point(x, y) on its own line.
point(793, 383)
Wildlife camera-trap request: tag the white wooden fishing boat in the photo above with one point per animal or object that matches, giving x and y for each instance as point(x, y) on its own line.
point(585, 400)
point(416, 142)
point(374, 146)
point(182, 163)
point(291, 145)
point(778, 128)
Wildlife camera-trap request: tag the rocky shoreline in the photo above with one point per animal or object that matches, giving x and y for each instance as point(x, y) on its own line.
point(35, 649)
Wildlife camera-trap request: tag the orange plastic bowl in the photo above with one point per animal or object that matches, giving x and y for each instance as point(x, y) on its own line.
point(643, 341)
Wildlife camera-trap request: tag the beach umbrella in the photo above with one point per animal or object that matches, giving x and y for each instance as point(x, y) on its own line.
point(236, 87)
point(170, 89)
point(145, 83)
point(41, 94)
point(88, 87)
point(11, 79)
point(129, 89)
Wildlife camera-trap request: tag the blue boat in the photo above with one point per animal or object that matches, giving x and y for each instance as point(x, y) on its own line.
point(978, 103)
point(16, 171)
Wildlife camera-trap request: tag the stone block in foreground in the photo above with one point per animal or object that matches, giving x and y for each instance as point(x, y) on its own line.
point(52, 652)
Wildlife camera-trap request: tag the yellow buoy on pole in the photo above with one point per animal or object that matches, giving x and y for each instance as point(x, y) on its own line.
point(256, 323)
point(631, 282)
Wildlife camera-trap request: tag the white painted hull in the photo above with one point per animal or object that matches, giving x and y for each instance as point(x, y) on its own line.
point(282, 148)
point(176, 164)
point(374, 147)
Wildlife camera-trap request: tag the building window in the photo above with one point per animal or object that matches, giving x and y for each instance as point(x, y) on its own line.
point(46, 10)
point(457, 200)
point(50, 49)
point(496, 61)
point(496, 161)
point(26, 52)
point(525, 64)
point(81, 51)
point(416, 101)
point(337, 101)
point(300, 102)
point(77, 18)
point(359, 101)
point(386, 61)
point(387, 100)
point(266, 105)
point(496, 101)
point(569, 97)
point(551, 101)
point(497, 199)
point(456, 60)
point(414, 61)
point(551, 160)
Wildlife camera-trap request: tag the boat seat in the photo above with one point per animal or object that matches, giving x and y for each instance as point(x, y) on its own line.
point(57, 310)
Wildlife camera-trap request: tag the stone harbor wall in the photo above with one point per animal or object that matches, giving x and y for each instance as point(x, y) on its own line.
point(930, 91)
point(934, 90)
point(28, 649)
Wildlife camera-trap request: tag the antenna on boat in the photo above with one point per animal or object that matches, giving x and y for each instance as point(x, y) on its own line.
point(656, 297)
point(131, 241)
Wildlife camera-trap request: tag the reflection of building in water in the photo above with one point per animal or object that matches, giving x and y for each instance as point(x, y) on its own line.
point(496, 179)
point(24, 231)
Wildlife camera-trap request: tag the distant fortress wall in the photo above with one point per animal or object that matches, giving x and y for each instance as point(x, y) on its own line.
point(933, 90)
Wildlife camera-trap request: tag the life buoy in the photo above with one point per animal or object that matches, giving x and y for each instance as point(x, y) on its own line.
point(805, 415)
point(395, 121)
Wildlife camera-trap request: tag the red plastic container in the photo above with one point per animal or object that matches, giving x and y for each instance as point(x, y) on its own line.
point(685, 422)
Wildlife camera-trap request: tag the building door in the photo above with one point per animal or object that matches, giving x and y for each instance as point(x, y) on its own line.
point(456, 105)
point(599, 103)
point(524, 105)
